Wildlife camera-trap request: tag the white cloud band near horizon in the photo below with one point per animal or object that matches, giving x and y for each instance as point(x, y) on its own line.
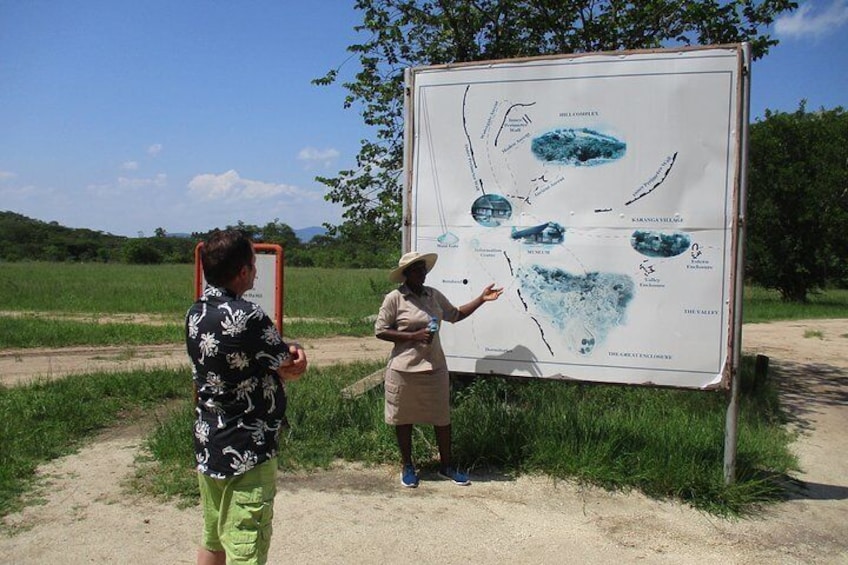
point(230, 186)
point(808, 21)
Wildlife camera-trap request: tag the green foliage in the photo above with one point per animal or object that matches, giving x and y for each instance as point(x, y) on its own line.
point(273, 232)
point(164, 249)
point(340, 248)
point(412, 33)
point(359, 248)
point(279, 233)
point(141, 252)
point(22, 238)
point(25, 239)
point(798, 201)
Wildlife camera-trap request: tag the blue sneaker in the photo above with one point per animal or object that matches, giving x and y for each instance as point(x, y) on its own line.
point(457, 477)
point(408, 477)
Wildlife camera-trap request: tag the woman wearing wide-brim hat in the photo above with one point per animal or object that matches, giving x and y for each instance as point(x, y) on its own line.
point(417, 383)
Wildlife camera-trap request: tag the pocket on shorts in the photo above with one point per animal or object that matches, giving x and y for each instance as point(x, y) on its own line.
point(251, 522)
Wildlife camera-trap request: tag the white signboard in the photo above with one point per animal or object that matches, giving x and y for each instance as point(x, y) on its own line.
point(600, 192)
point(265, 286)
point(267, 289)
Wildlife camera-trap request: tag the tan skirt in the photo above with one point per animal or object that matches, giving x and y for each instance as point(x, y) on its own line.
point(417, 398)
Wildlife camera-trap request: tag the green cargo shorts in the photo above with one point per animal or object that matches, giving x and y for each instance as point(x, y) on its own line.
point(238, 513)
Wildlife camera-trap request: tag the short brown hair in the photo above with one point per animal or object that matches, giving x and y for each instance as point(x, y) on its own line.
point(223, 254)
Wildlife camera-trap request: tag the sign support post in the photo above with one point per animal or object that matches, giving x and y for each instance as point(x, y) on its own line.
point(731, 431)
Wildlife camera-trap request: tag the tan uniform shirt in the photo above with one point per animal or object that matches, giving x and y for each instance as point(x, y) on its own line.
point(405, 311)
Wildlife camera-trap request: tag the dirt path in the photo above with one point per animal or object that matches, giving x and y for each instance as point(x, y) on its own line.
point(22, 365)
point(360, 515)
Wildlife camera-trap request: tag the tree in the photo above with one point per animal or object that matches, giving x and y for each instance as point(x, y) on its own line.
point(798, 201)
point(23, 238)
point(279, 233)
point(409, 33)
point(141, 252)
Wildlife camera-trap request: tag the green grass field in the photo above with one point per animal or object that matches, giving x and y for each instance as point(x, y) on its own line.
point(666, 443)
point(761, 305)
point(317, 302)
point(104, 288)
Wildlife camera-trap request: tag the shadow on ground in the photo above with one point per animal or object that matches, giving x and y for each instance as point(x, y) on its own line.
point(807, 389)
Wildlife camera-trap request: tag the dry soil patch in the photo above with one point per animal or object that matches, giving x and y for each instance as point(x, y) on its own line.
point(361, 515)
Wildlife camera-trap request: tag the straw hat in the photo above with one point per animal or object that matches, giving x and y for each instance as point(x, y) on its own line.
point(408, 259)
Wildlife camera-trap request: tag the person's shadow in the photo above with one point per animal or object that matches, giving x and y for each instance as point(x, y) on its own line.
point(517, 361)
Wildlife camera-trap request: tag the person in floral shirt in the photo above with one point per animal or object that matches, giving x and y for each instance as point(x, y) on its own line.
point(239, 365)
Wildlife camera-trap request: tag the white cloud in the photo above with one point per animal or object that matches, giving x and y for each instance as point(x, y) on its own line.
point(123, 186)
point(129, 165)
point(230, 186)
point(314, 156)
point(806, 22)
point(131, 183)
point(7, 175)
point(154, 149)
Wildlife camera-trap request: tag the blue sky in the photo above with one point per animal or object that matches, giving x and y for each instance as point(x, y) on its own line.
point(125, 116)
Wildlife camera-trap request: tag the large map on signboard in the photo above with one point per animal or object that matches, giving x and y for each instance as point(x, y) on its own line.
point(600, 192)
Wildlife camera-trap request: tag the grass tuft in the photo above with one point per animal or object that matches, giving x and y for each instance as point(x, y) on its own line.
point(665, 443)
point(44, 420)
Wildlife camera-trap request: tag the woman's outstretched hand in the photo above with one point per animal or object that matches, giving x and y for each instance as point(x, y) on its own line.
point(491, 293)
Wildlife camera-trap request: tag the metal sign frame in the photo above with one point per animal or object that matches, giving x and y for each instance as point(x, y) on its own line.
point(269, 267)
point(425, 82)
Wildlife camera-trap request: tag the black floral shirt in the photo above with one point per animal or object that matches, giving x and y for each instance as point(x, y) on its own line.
point(235, 350)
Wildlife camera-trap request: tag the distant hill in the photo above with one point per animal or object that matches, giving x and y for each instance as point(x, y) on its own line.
point(23, 238)
point(306, 234)
point(28, 239)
